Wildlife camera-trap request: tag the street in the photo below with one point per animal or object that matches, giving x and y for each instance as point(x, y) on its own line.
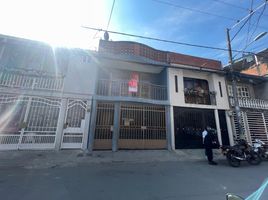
point(194, 180)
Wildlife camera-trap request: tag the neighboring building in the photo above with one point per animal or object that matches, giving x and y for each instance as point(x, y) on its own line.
point(258, 66)
point(45, 95)
point(253, 103)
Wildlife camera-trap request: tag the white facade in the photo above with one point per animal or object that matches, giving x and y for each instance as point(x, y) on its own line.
point(177, 98)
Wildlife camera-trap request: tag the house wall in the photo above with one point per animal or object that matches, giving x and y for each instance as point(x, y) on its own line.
point(80, 75)
point(261, 91)
point(177, 98)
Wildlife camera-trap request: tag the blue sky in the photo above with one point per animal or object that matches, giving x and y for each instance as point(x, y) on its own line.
point(60, 22)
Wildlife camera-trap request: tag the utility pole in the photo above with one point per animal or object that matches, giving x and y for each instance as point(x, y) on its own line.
point(234, 87)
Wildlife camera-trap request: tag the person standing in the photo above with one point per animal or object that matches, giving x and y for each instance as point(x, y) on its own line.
point(208, 144)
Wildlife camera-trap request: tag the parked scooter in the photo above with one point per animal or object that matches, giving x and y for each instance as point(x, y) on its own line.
point(260, 148)
point(242, 151)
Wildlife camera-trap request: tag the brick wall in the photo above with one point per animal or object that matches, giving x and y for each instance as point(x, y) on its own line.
point(134, 48)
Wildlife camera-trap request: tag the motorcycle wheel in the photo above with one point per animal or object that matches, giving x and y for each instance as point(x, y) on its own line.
point(232, 160)
point(254, 158)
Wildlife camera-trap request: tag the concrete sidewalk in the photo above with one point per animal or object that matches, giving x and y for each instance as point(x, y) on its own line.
point(52, 159)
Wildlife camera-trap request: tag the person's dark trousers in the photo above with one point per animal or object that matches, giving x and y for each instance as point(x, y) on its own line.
point(209, 154)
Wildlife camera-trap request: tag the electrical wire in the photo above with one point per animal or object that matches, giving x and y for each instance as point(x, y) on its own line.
point(252, 32)
point(164, 40)
point(234, 5)
point(194, 10)
point(111, 13)
point(258, 20)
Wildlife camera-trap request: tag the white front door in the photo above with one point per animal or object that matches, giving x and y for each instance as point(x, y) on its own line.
point(74, 128)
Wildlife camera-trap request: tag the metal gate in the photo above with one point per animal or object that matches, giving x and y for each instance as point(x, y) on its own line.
point(104, 126)
point(142, 127)
point(254, 124)
point(74, 128)
point(28, 122)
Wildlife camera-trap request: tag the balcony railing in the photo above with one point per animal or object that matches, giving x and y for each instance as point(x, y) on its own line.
point(16, 79)
point(250, 103)
point(121, 88)
point(200, 98)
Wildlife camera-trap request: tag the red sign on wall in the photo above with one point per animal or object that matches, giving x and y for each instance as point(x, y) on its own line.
point(133, 82)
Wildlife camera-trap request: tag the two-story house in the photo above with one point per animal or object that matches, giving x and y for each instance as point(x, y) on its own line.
point(153, 99)
point(253, 103)
point(45, 95)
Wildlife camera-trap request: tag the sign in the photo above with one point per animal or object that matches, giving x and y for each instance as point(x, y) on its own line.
point(133, 82)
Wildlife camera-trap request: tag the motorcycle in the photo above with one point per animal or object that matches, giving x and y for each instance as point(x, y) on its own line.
point(260, 148)
point(242, 151)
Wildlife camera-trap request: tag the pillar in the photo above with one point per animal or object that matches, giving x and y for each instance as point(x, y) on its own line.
point(60, 124)
point(170, 128)
point(86, 128)
point(229, 128)
point(92, 126)
point(216, 113)
point(116, 126)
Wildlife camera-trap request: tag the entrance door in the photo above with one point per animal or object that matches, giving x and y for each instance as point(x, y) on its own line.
point(74, 128)
point(142, 127)
point(224, 130)
point(104, 126)
point(189, 124)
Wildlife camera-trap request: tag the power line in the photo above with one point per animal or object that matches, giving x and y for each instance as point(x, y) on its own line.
point(251, 13)
point(112, 9)
point(253, 31)
point(164, 40)
point(258, 20)
point(194, 10)
point(241, 27)
point(234, 5)
point(208, 13)
point(249, 22)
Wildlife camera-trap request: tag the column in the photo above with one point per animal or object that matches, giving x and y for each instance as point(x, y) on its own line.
point(60, 125)
point(218, 125)
point(86, 129)
point(170, 128)
point(116, 127)
point(229, 128)
point(92, 126)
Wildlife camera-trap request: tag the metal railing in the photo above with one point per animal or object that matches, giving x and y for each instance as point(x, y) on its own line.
point(16, 79)
point(250, 103)
point(205, 99)
point(121, 88)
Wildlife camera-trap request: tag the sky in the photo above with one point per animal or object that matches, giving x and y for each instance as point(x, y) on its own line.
point(59, 22)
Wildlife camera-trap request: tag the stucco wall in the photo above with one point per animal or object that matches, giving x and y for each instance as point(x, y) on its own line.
point(80, 75)
point(177, 98)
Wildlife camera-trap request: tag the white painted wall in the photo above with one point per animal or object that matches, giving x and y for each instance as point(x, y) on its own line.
point(177, 99)
point(80, 75)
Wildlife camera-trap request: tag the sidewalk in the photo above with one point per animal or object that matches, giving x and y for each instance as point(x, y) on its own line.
point(66, 158)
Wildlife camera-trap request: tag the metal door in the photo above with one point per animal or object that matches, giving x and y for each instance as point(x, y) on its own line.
point(142, 127)
point(104, 126)
point(74, 128)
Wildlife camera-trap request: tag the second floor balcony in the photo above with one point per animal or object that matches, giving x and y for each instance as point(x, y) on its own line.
point(245, 102)
point(28, 80)
point(121, 88)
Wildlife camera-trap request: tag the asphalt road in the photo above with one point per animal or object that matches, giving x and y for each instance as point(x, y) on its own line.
point(126, 181)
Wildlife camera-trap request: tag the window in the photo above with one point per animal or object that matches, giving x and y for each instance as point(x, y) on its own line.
point(176, 83)
point(242, 91)
point(196, 91)
point(220, 88)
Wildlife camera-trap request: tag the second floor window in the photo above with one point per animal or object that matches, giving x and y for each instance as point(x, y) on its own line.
point(242, 91)
point(196, 91)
